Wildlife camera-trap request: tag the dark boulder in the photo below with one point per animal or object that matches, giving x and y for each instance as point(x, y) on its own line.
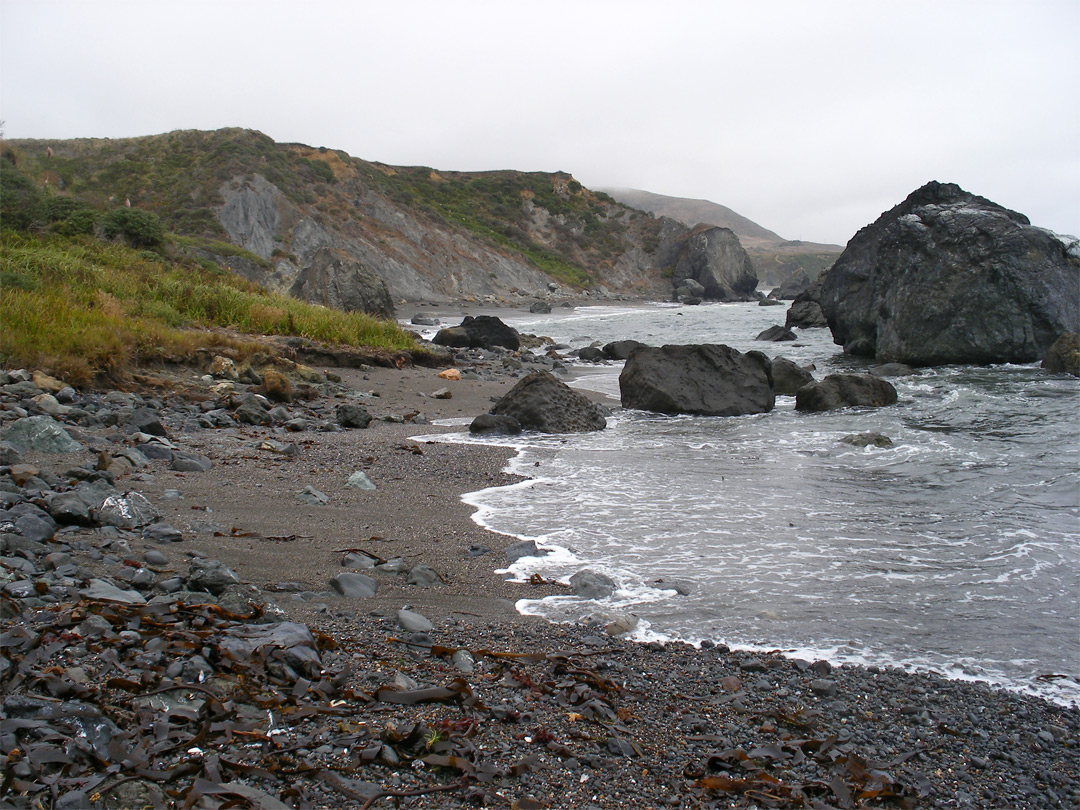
point(1064, 355)
point(689, 289)
point(337, 280)
point(542, 403)
point(715, 259)
point(788, 378)
point(845, 391)
point(493, 424)
point(540, 308)
point(620, 349)
point(892, 370)
point(776, 334)
point(805, 310)
point(591, 354)
point(481, 332)
point(707, 380)
point(949, 277)
point(770, 302)
point(351, 415)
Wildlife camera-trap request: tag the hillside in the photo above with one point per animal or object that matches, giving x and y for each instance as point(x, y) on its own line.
point(353, 234)
point(774, 258)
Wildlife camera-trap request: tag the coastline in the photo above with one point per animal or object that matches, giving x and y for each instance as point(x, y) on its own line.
point(566, 715)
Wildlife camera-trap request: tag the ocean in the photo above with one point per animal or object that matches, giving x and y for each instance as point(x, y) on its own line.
point(956, 550)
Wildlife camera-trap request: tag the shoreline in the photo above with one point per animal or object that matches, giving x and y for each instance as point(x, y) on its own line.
point(563, 715)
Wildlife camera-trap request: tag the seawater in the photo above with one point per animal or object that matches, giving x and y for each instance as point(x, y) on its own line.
point(957, 550)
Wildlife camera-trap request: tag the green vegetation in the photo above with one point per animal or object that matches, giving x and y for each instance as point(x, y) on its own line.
point(139, 228)
point(82, 308)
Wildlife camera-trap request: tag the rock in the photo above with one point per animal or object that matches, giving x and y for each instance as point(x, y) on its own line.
point(525, 548)
point(424, 320)
point(463, 660)
point(276, 386)
point(50, 405)
point(707, 380)
point(155, 557)
point(154, 450)
point(1063, 356)
point(869, 439)
point(359, 480)
point(68, 508)
point(47, 383)
point(788, 378)
point(300, 650)
point(163, 533)
point(351, 415)
point(223, 368)
point(245, 598)
point(845, 391)
point(542, 403)
point(8, 454)
point(144, 420)
point(252, 411)
point(776, 333)
point(359, 561)
point(715, 259)
point(442, 393)
point(823, 687)
point(621, 349)
point(312, 496)
point(338, 280)
point(449, 374)
point(592, 585)
point(413, 622)
point(621, 624)
point(41, 434)
point(189, 462)
point(591, 354)
point(540, 308)
point(770, 302)
point(892, 370)
point(354, 586)
point(481, 332)
point(128, 511)
point(796, 283)
point(105, 591)
point(689, 288)
point(211, 576)
point(805, 314)
point(949, 277)
point(424, 576)
point(37, 529)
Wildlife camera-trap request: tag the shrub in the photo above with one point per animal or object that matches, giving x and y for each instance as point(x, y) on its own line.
point(139, 228)
point(21, 202)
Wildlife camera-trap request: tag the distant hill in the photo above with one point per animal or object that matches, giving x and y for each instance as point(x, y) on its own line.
point(349, 233)
point(774, 258)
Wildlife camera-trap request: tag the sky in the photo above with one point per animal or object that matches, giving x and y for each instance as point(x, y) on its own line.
point(810, 117)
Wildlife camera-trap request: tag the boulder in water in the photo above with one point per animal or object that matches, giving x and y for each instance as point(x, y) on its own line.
point(845, 391)
point(788, 378)
point(949, 277)
point(1064, 355)
point(706, 380)
point(776, 333)
point(481, 332)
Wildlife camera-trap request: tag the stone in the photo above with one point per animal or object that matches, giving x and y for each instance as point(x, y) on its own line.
point(706, 380)
point(276, 386)
point(788, 378)
point(68, 508)
point(776, 333)
point(442, 393)
point(592, 585)
point(591, 354)
point(621, 349)
point(480, 332)
point(8, 454)
point(144, 420)
point(354, 586)
point(128, 511)
point(524, 548)
point(47, 383)
point(413, 622)
point(621, 624)
point(798, 281)
point(845, 391)
point(163, 533)
point(313, 497)
point(869, 439)
point(155, 557)
point(424, 320)
point(41, 434)
point(449, 374)
point(770, 302)
point(189, 462)
point(34, 528)
point(689, 289)
point(252, 411)
point(892, 370)
point(949, 277)
point(351, 415)
point(542, 403)
point(50, 405)
point(1063, 356)
point(358, 561)
point(99, 589)
point(359, 480)
point(211, 576)
point(423, 575)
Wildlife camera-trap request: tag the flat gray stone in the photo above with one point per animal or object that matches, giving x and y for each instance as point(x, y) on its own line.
point(354, 586)
point(413, 622)
point(423, 575)
point(189, 462)
point(106, 591)
point(313, 497)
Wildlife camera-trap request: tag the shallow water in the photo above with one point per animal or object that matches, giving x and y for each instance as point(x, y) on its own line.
point(958, 549)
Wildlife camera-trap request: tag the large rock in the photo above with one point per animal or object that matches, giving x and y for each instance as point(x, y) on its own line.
point(845, 391)
point(42, 434)
point(481, 332)
point(1064, 355)
point(337, 280)
point(708, 380)
point(776, 334)
point(715, 259)
point(793, 285)
point(788, 378)
point(541, 402)
point(805, 310)
point(621, 349)
point(949, 277)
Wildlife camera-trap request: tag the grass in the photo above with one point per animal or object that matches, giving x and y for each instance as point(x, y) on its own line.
point(83, 309)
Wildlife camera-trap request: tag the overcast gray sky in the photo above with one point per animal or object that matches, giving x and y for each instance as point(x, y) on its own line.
point(811, 118)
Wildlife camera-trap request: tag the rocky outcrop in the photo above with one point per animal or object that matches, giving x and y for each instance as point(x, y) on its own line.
point(542, 403)
point(1064, 355)
point(776, 334)
point(335, 279)
point(845, 391)
point(805, 310)
point(949, 277)
point(799, 281)
point(706, 380)
point(714, 259)
point(480, 332)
